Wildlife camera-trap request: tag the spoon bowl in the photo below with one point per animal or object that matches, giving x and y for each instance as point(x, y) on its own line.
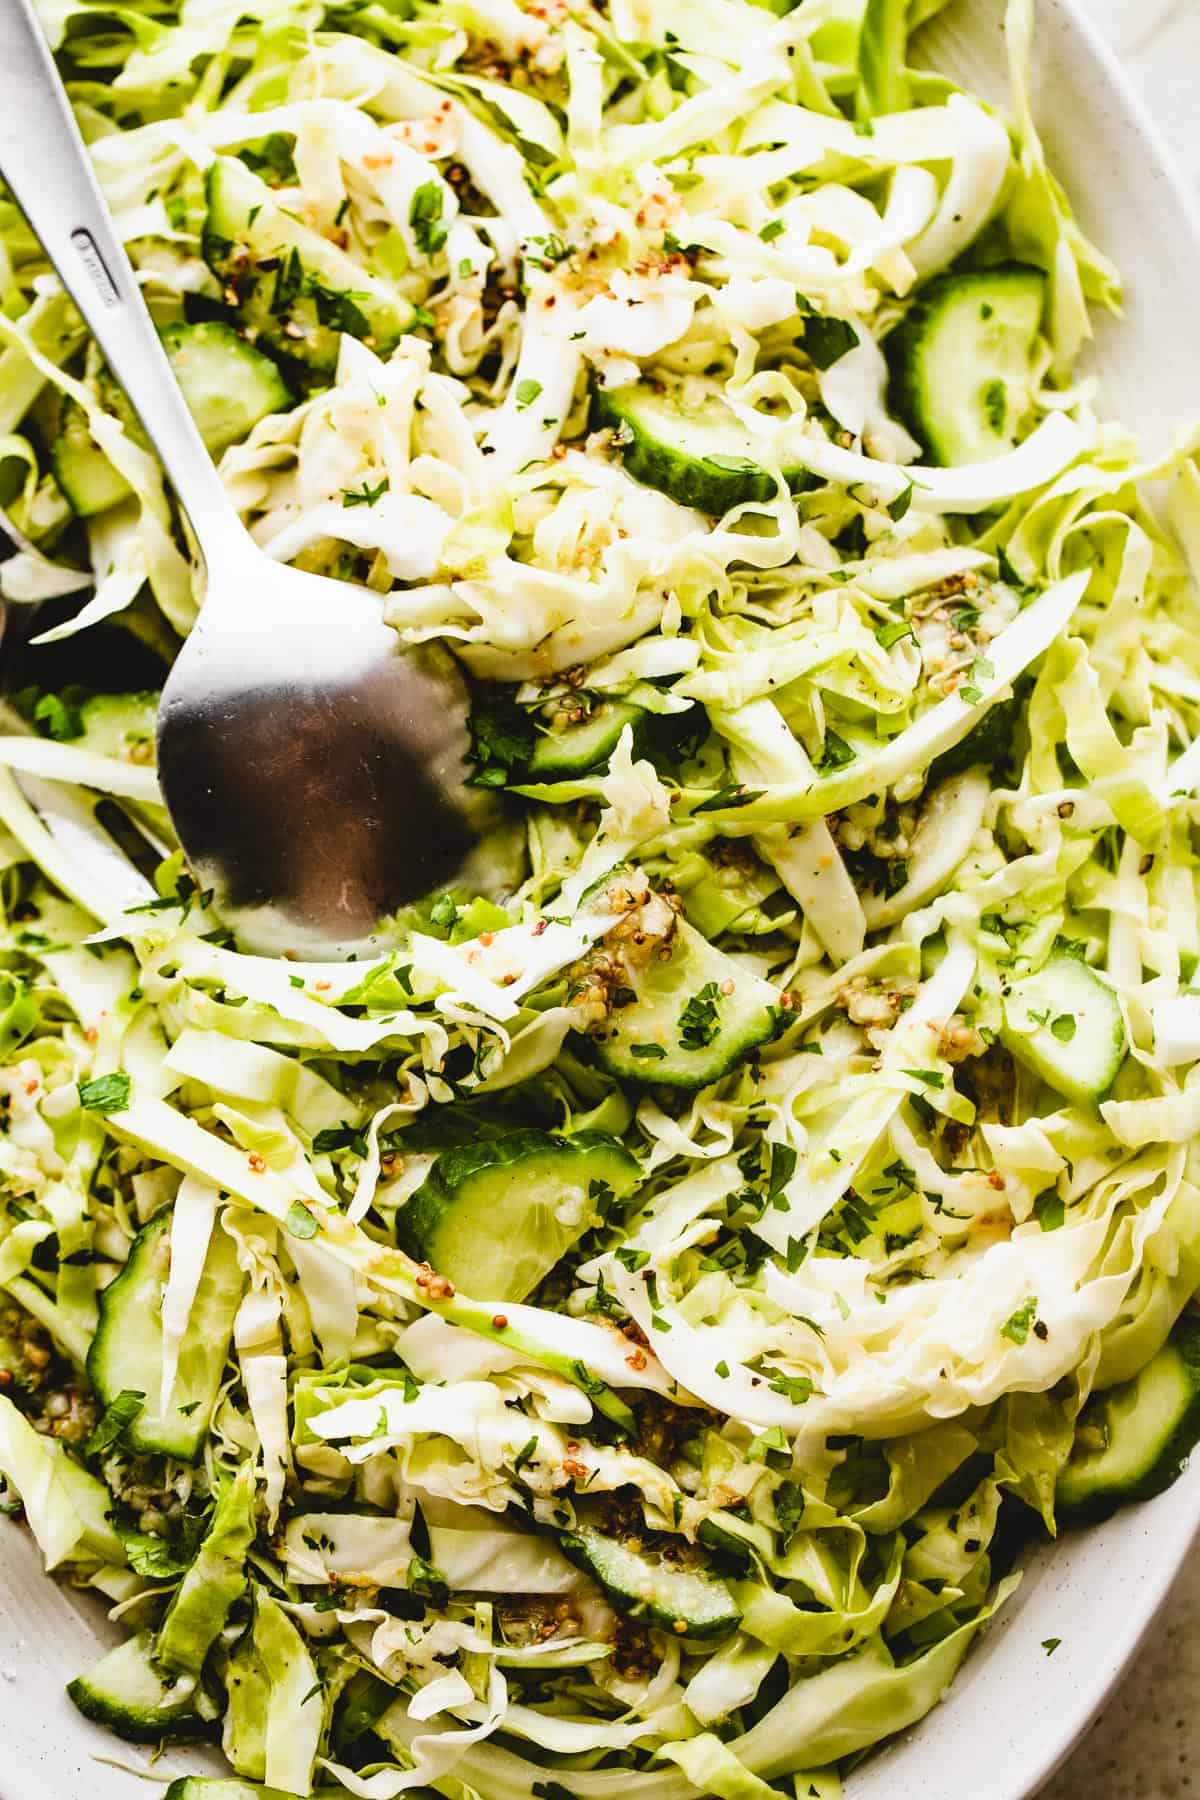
point(315, 772)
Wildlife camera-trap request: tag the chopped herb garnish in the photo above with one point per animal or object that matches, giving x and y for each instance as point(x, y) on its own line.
point(796, 1388)
point(57, 717)
point(828, 340)
point(366, 495)
point(836, 754)
point(114, 1421)
point(443, 914)
point(727, 798)
point(105, 1093)
point(931, 1077)
point(340, 1137)
point(699, 1021)
point(900, 505)
point(892, 632)
point(1017, 1327)
point(425, 216)
point(525, 1454)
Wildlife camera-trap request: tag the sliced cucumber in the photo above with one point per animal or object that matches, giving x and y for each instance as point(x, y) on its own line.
point(643, 1584)
point(962, 362)
point(81, 469)
point(686, 442)
point(228, 385)
point(495, 1217)
point(295, 290)
point(695, 1015)
point(1065, 1024)
point(127, 1350)
point(127, 1693)
point(559, 755)
point(1132, 1441)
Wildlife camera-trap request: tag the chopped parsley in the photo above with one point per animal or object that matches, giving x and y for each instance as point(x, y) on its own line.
point(836, 754)
point(105, 1094)
point(502, 742)
point(699, 1022)
point(828, 340)
point(900, 505)
point(1016, 1328)
point(727, 798)
point(425, 216)
point(339, 1137)
point(932, 1078)
point(114, 1421)
point(366, 495)
point(796, 1388)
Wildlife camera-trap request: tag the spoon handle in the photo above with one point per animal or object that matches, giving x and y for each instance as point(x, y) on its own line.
point(48, 169)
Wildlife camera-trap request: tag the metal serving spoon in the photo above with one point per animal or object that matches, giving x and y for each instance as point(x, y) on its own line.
point(313, 771)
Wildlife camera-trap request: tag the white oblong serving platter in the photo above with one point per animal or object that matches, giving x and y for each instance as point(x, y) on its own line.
point(1013, 1714)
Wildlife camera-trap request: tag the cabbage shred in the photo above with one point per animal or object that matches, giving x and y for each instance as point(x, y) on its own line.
point(892, 741)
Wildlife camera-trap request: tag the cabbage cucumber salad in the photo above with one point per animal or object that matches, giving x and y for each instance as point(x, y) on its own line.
point(617, 1344)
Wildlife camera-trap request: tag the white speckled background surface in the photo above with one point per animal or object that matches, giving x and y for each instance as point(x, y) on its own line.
point(1146, 1743)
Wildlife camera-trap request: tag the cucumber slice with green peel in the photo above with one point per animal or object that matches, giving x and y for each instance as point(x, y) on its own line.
point(696, 1014)
point(962, 362)
point(81, 469)
point(228, 385)
point(1133, 1441)
point(293, 288)
point(127, 1693)
point(127, 1351)
point(495, 1217)
point(689, 444)
point(573, 750)
point(1065, 1024)
point(682, 1596)
point(206, 1787)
